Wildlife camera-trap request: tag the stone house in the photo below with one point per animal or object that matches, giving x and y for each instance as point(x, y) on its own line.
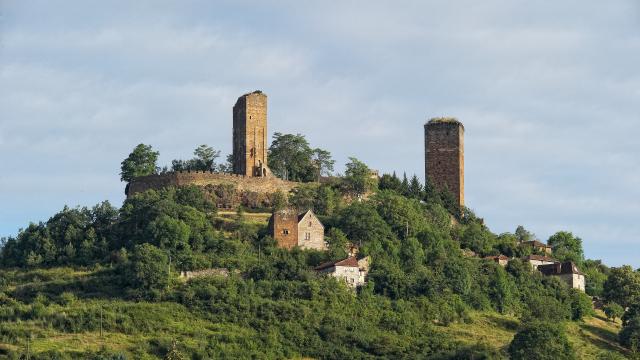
point(351, 270)
point(567, 271)
point(539, 260)
point(502, 260)
point(538, 246)
point(291, 229)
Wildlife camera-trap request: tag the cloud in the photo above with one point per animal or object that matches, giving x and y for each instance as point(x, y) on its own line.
point(548, 93)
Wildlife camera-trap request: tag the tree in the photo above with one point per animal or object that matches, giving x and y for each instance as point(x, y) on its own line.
point(149, 269)
point(323, 162)
point(303, 197)
point(596, 273)
point(415, 190)
point(141, 162)
point(541, 341)
point(581, 305)
point(291, 158)
point(204, 160)
point(613, 311)
point(622, 286)
point(170, 234)
point(337, 242)
point(630, 335)
point(390, 182)
point(358, 179)
point(361, 223)
point(523, 235)
point(206, 157)
point(326, 200)
point(567, 247)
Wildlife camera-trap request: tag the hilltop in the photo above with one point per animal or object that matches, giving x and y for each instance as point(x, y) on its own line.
point(116, 271)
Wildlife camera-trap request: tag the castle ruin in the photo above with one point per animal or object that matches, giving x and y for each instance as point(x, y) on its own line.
point(251, 178)
point(250, 135)
point(444, 156)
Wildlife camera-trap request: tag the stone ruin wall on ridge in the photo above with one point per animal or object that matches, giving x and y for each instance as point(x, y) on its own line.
point(231, 190)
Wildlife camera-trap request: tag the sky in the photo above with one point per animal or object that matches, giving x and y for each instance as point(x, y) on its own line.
point(548, 91)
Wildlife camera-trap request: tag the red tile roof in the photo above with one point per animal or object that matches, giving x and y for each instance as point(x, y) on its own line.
point(497, 257)
point(348, 262)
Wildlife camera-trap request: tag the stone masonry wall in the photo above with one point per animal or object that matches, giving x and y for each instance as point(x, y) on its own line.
point(250, 134)
point(283, 226)
point(203, 178)
point(444, 156)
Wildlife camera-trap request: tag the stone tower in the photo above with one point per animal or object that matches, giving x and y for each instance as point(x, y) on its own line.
point(444, 155)
point(250, 135)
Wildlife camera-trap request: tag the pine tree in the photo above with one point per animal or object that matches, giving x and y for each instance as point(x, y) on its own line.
point(404, 189)
point(415, 188)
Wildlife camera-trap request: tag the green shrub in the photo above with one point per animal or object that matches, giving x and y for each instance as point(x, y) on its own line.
point(541, 341)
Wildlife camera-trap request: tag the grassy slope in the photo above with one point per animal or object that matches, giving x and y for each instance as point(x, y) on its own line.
point(590, 338)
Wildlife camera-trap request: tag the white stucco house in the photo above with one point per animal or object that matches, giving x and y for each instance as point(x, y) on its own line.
point(351, 270)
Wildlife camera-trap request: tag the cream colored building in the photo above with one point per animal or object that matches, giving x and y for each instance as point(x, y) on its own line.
point(567, 271)
point(352, 271)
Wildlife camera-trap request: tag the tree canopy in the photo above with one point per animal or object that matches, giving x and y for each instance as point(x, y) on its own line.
point(141, 162)
point(292, 158)
point(204, 160)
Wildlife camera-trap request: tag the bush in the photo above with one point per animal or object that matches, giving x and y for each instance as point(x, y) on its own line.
point(541, 341)
point(148, 268)
point(613, 311)
point(630, 335)
point(581, 305)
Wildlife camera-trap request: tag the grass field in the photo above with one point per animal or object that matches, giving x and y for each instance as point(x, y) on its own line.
point(146, 327)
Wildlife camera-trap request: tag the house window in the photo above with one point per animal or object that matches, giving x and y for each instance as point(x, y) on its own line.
point(285, 231)
point(307, 236)
point(310, 224)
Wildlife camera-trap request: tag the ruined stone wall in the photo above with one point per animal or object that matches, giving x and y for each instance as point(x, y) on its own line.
point(283, 226)
point(250, 135)
point(444, 155)
point(240, 184)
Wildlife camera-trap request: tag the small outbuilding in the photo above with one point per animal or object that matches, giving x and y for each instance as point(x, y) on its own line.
point(501, 260)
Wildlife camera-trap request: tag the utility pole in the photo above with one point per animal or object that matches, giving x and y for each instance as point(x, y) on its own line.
point(100, 320)
point(407, 233)
point(29, 347)
point(169, 272)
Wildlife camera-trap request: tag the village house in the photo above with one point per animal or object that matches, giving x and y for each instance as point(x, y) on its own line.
point(538, 260)
point(502, 260)
point(538, 246)
point(351, 270)
point(567, 271)
point(291, 229)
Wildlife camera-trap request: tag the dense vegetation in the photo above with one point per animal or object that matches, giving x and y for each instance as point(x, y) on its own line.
point(104, 269)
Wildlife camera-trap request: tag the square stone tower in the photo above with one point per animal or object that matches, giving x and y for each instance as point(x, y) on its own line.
point(444, 155)
point(250, 135)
